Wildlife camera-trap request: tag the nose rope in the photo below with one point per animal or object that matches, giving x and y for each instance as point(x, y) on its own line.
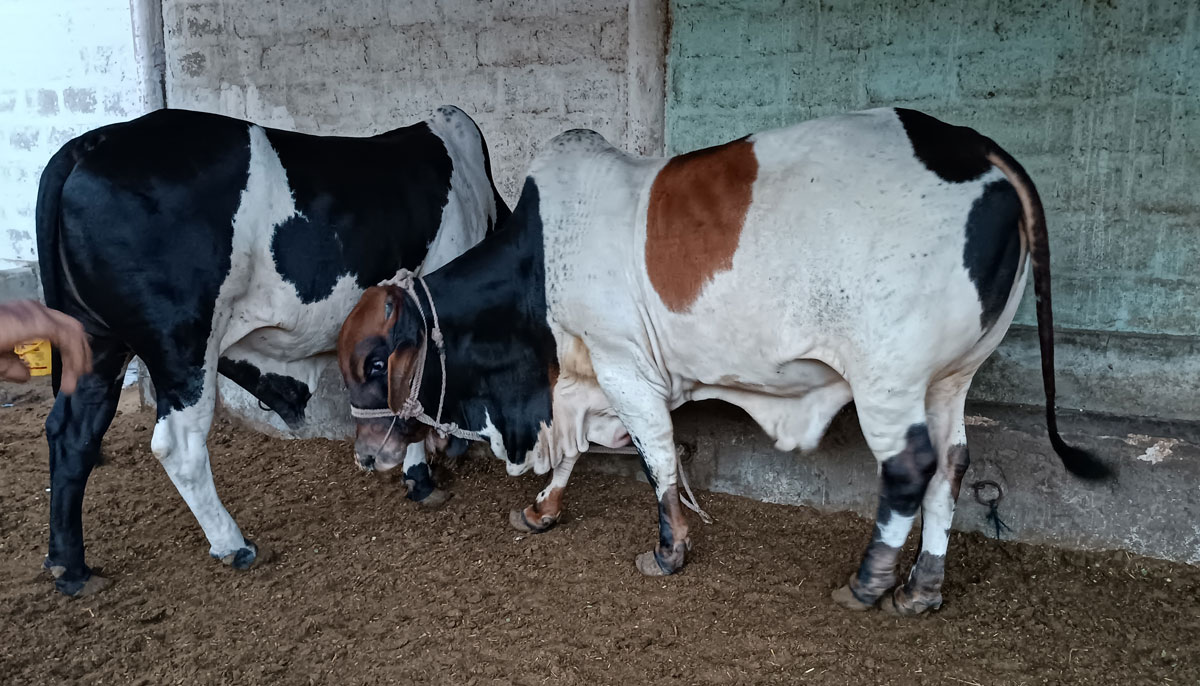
point(412, 409)
point(388, 434)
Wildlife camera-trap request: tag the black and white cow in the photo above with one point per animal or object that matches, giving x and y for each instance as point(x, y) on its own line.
point(205, 245)
point(877, 256)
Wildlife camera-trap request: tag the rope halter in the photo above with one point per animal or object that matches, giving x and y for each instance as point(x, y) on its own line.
point(411, 409)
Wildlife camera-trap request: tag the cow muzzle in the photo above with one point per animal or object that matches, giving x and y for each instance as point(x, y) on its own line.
point(370, 458)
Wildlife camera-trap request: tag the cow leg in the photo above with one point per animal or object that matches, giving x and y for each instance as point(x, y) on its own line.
point(644, 412)
point(901, 443)
point(673, 542)
point(74, 430)
point(419, 480)
point(923, 590)
point(544, 513)
point(180, 444)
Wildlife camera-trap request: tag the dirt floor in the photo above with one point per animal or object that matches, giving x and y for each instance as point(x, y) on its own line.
point(364, 587)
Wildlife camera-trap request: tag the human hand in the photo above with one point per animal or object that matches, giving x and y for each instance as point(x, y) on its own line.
point(25, 320)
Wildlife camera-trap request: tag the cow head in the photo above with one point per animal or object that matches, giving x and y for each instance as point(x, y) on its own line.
point(380, 347)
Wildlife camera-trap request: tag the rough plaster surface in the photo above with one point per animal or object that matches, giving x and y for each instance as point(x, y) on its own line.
point(525, 70)
point(1099, 101)
point(65, 67)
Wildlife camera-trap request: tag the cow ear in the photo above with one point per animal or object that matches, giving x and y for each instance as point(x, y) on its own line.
point(402, 364)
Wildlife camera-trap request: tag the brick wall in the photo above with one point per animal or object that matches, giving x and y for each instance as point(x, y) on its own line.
point(65, 67)
point(1099, 101)
point(525, 70)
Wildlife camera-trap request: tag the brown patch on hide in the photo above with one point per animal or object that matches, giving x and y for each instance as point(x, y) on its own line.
point(575, 360)
point(698, 204)
point(368, 320)
point(541, 516)
point(402, 366)
point(550, 508)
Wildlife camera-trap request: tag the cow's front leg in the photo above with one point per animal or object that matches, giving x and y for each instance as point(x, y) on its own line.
point(545, 512)
point(673, 542)
point(644, 412)
point(419, 480)
point(179, 443)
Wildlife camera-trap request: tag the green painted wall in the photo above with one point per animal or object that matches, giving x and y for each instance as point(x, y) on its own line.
point(1099, 100)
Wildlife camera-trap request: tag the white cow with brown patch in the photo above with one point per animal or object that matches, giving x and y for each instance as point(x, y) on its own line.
point(877, 256)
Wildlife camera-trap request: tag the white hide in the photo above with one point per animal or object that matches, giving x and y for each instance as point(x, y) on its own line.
point(847, 282)
point(260, 318)
point(275, 331)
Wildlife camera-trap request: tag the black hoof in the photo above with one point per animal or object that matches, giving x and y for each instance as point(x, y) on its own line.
point(659, 563)
point(242, 558)
point(77, 588)
point(904, 603)
point(647, 564)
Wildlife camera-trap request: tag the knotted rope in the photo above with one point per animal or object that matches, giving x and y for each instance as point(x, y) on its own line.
point(412, 409)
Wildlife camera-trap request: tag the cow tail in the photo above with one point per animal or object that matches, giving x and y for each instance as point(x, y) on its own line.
point(47, 221)
point(1033, 227)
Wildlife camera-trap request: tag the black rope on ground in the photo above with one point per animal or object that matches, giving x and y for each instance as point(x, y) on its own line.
point(993, 515)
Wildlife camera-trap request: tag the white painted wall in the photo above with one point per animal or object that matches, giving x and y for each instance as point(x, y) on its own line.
point(525, 70)
point(66, 66)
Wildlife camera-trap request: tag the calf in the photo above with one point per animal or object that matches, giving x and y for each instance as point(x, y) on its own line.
point(207, 245)
point(877, 256)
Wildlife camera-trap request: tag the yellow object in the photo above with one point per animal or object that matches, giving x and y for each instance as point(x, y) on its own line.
point(36, 355)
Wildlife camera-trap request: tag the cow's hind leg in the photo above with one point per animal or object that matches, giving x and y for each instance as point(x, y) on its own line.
point(898, 436)
point(544, 513)
point(923, 590)
point(180, 444)
point(74, 430)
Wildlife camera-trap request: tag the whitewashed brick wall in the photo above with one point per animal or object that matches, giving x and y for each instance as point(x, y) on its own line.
point(525, 70)
point(66, 66)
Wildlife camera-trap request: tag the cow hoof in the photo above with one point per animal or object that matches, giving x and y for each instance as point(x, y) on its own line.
point(77, 589)
point(243, 558)
point(845, 597)
point(521, 523)
point(436, 498)
point(647, 564)
point(55, 570)
point(901, 603)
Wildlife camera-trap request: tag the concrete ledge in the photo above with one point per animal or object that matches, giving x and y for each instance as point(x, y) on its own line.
point(19, 282)
point(1151, 508)
point(1113, 373)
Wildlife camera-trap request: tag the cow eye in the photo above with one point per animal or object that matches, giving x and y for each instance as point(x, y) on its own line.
point(375, 368)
